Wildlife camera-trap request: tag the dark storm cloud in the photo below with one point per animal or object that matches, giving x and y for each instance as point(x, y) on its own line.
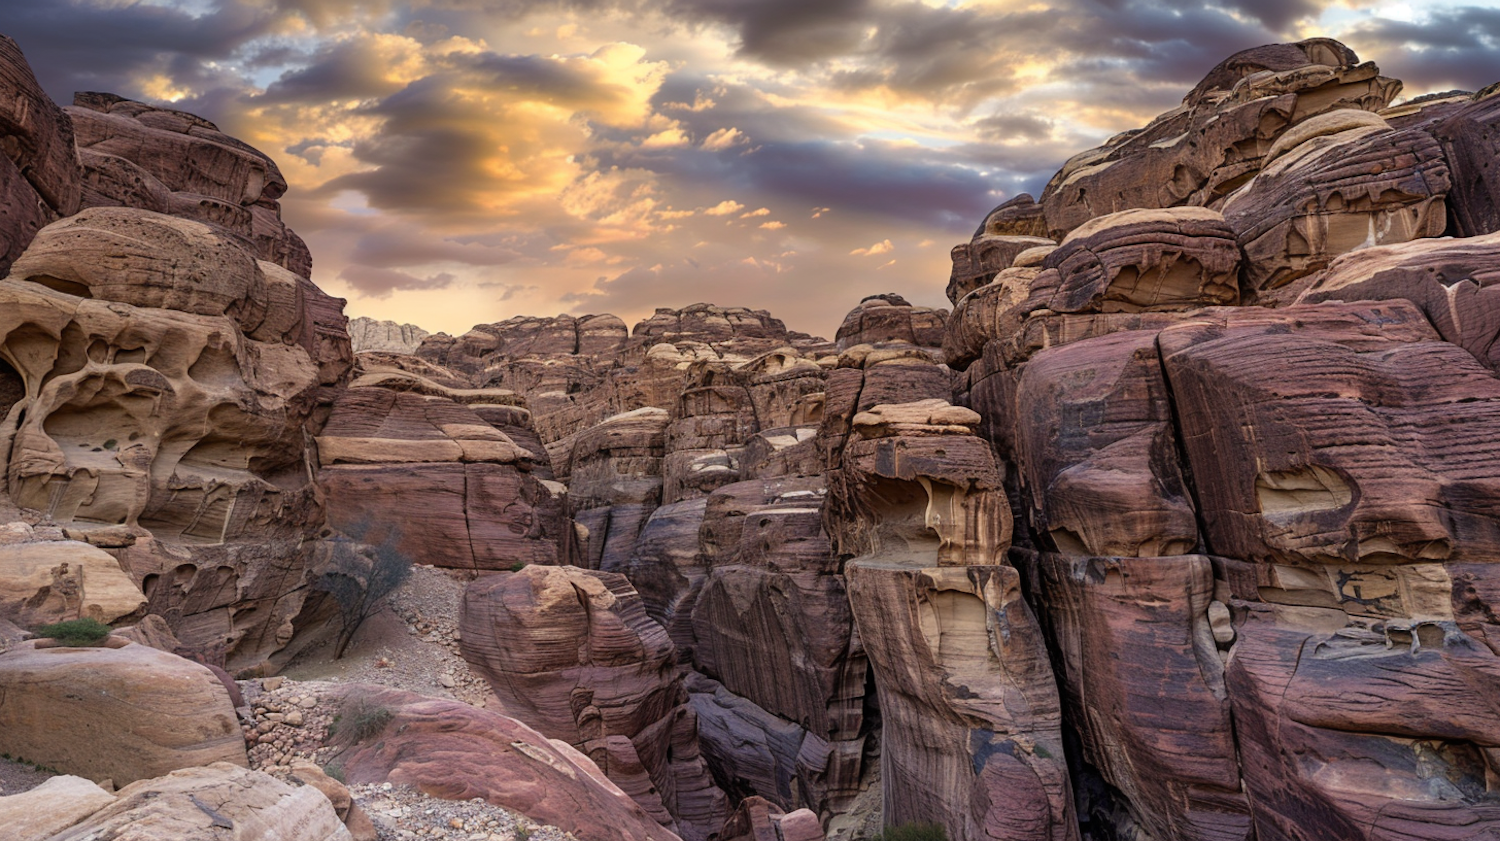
point(353, 69)
point(1452, 48)
point(410, 246)
point(380, 282)
point(76, 45)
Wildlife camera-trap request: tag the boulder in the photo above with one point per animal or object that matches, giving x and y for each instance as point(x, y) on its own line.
point(219, 801)
point(1344, 435)
point(51, 807)
point(451, 750)
point(889, 318)
point(757, 819)
point(1141, 260)
point(1098, 451)
point(386, 449)
point(1452, 281)
point(42, 583)
point(121, 714)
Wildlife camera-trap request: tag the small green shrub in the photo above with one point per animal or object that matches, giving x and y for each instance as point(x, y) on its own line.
point(358, 720)
point(913, 832)
point(517, 566)
point(334, 770)
point(76, 632)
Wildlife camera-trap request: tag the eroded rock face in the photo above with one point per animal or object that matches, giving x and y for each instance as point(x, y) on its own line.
point(1332, 186)
point(970, 734)
point(1219, 137)
point(397, 442)
point(772, 624)
point(136, 155)
point(122, 714)
point(573, 652)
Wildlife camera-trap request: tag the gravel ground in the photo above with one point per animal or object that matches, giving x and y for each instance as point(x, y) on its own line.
point(400, 812)
point(16, 777)
point(412, 645)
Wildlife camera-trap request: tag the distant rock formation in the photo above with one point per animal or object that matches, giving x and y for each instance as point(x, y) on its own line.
point(367, 334)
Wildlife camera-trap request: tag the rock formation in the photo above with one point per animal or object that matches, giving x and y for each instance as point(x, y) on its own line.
point(573, 652)
point(367, 334)
point(114, 713)
point(454, 751)
point(214, 801)
point(1179, 526)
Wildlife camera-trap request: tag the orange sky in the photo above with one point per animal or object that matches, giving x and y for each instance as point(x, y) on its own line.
point(461, 161)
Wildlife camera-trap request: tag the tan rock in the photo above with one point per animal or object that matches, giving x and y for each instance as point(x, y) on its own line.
point(208, 802)
point(51, 807)
point(41, 583)
point(123, 714)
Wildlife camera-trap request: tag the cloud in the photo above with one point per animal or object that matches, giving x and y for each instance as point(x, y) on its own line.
point(380, 282)
point(882, 247)
point(725, 208)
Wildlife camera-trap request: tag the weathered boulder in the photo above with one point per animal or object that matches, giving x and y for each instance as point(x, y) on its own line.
point(41, 583)
point(1137, 260)
point(757, 819)
point(51, 807)
point(184, 161)
point(121, 714)
point(890, 318)
point(1366, 731)
point(975, 263)
point(1344, 435)
point(573, 653)
point(397, 441)
point(451, 750)
point(1452, 281)
point(219, 802)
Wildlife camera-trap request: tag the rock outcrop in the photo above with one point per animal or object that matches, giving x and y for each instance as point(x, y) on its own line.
point(216, 801)
point(115, 713)
point(164, 360)
point(368, 334)
point(451, 750)
point(573, 652)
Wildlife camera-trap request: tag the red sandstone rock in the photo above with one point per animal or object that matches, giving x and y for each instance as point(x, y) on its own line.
point(573, 653)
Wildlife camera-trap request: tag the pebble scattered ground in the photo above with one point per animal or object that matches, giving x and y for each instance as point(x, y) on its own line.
point(413, 646)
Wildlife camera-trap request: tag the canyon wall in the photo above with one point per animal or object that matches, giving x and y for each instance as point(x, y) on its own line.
point(1178, 526)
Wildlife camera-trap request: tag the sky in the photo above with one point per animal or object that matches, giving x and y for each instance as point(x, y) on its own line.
point(455, 162)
